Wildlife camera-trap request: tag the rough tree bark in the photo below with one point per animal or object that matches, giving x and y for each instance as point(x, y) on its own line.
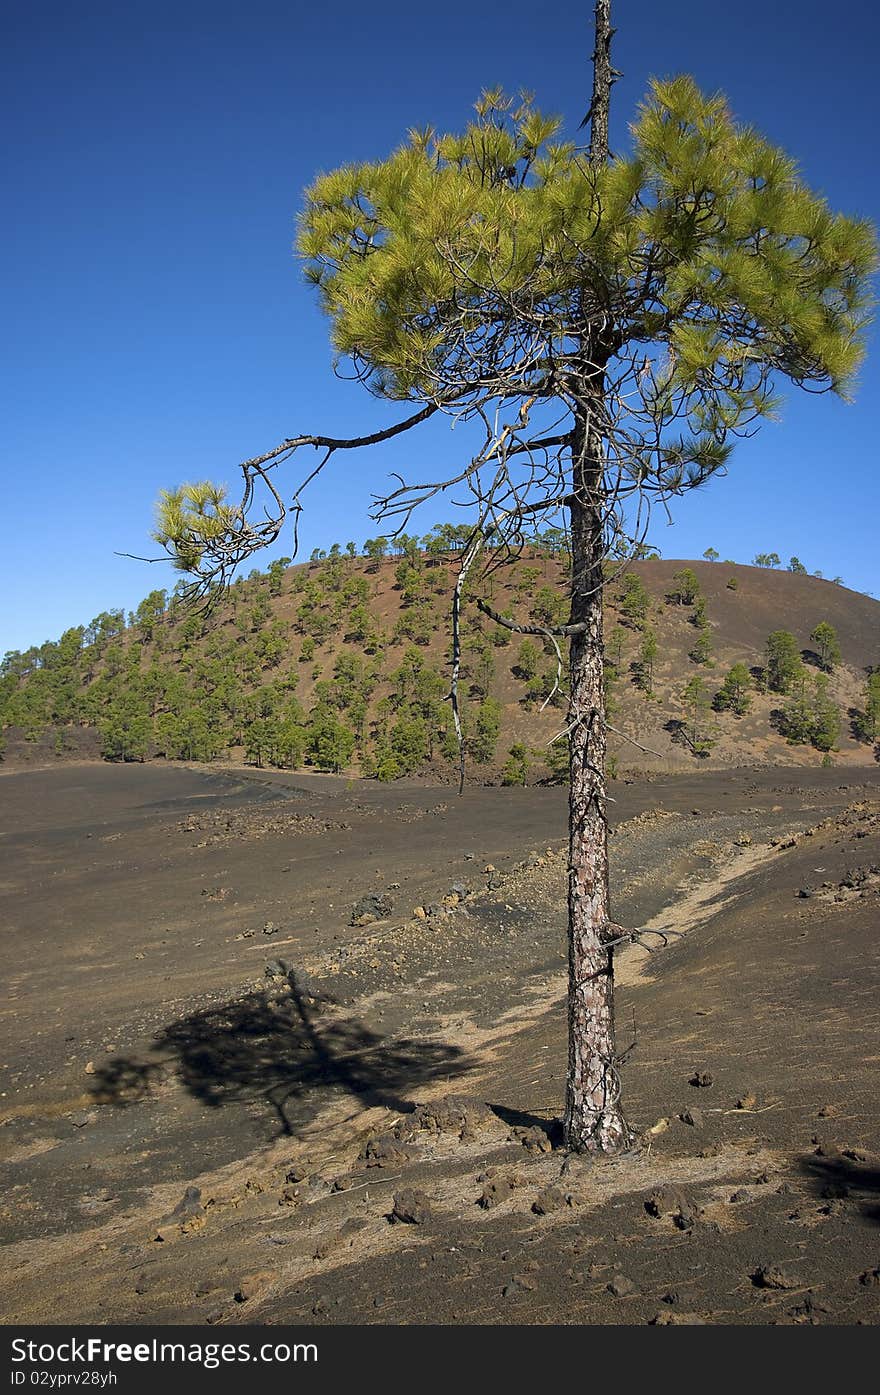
point(593, 1120)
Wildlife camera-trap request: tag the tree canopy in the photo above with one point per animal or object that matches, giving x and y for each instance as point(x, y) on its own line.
point(501, 263)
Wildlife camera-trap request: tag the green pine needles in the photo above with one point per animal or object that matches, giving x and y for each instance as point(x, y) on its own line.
point(660, 294)
point(697, 267)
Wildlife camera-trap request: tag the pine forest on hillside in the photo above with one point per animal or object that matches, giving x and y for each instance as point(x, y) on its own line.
point(342, 664)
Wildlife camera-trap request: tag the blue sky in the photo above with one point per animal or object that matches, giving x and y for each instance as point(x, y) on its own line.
point(157, 325)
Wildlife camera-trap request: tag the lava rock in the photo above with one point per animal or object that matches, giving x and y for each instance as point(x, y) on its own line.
point(534, 1140)
point(549, 1200)
point(190, 1205)
point(385, 1151)
point(373, 906)
point(411, 1207)
point(667, 1319)
point(773, 1276)
point(253, 1285)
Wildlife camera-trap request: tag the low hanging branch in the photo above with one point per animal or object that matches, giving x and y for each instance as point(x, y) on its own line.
point(209, 538)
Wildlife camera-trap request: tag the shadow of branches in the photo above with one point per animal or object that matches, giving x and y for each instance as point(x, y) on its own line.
point(842, 1177)
point(284, 1045)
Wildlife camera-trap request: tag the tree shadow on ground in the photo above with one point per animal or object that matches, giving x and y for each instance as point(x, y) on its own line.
point(282, 1045)
point(812, 659)
point(838, 1178)
point(523, 1119)
point(679, 736)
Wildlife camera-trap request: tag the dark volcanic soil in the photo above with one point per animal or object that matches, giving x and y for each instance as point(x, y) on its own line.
point(147, 1050)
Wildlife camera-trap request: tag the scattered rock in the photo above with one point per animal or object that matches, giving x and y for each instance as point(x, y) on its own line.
point(253, 1285)
point(497, 1189)
point(670, 1201)
point(693, 1117)
point(411, 1207)
point(772, 1276)
point(549, 1200)
point(519, 1284)
point(534, 1139)
point(686, 1218)
point(870, 1278)
point(747, 1101)
point(373, 906)
point(856, 1155)
point(666, 1319)
point(701, 1079)
point(665, 1201)
point(455, 1114)
point(327, 1244)
point(826, 1148)
point(190, 1205)
point(621, 1286)
point(385, 1151)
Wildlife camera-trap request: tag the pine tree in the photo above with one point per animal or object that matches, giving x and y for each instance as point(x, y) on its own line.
point(487, 727)
point(867, 722)
point(701, 649)
point(686, 588)
point(634, 600)
point(826, 716)
point(622, 320)
point(645, 662)
point(783, 661)
point(824, 636)
point(697, 704)
point(733, 695)
point(527, 657)
point(516, 768)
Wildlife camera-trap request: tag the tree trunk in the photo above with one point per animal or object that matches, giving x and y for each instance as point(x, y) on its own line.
point(593, 1121)
point(603, 78)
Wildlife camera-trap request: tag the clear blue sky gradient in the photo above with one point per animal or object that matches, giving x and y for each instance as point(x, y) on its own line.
point(157, 325)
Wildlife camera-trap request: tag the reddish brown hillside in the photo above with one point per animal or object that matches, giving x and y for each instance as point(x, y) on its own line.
point(289, 646)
